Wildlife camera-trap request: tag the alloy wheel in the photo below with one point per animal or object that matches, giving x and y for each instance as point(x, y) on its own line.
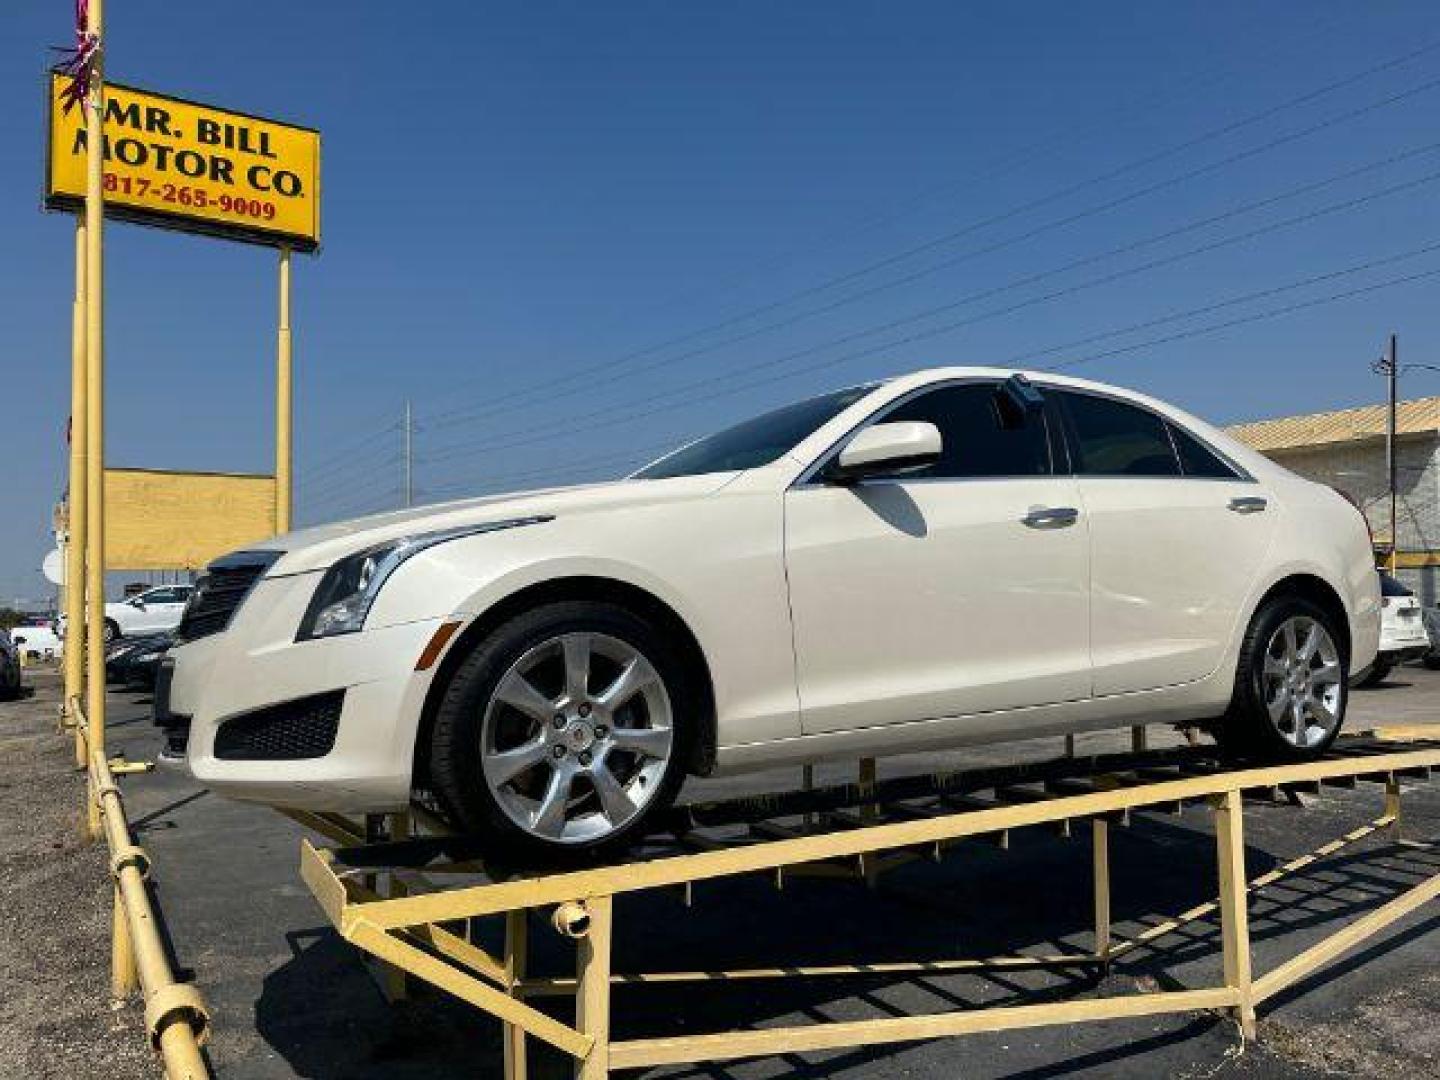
point(576, 737)
point(1302, 682)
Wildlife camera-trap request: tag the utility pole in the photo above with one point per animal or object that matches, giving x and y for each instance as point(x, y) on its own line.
point(284, 410)
point(75, 535)
point(407, 457)
point(1392, 377)
point(95, 406)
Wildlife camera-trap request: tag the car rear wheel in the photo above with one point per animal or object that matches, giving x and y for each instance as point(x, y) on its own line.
point(1291, 688)
point(111, 631)
point(564, 732)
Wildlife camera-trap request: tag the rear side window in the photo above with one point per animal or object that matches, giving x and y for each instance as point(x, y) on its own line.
point(982, 432)
point(1197, 459)
point(1116, 439)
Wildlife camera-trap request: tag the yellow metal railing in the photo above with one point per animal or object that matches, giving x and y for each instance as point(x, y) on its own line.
point(415, 932)
point(175, 1014)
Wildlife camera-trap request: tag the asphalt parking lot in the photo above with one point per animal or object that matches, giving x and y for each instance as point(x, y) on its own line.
point(290, 998)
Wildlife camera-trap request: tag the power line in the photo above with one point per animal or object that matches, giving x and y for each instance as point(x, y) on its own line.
point(1221, 304)
point(349, 445)
point(346, 489)
point(1065, 192)
point(575, 388)
point(1243, 320)
point(1008, 162)
point(1193, 332)
point(372, 503)
point(559, 428)
point(641, 454)
point(364, 459)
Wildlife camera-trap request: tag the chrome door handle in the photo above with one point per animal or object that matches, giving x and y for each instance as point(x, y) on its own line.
point(1248, 504)
point(1051, 517)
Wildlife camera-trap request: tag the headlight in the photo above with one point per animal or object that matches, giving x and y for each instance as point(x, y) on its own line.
point(349, 588)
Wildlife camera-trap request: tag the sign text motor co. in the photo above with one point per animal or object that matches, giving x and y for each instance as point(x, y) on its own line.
point(175, 163)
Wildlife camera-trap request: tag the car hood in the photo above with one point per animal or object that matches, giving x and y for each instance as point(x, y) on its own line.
point(318, 547)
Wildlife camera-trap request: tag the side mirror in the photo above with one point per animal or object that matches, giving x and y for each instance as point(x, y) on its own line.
point(138, 604)
point(887, 450)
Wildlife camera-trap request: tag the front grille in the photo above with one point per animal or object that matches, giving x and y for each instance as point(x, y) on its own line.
point(160, 700)
point(219, 592)
point(294, 731)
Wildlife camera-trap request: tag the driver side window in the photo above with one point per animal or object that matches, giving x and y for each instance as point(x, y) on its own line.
point(983, 433)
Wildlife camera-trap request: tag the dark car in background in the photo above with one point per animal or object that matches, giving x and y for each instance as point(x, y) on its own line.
point(133, 661)
point(9, 667)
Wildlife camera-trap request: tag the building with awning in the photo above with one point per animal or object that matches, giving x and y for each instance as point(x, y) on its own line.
point(1346, 449)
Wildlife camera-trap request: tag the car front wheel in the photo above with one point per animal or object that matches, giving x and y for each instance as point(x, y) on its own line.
point(1291, 687)
point(564, 732)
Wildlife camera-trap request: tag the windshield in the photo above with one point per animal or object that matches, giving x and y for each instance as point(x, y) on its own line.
point(755, 442)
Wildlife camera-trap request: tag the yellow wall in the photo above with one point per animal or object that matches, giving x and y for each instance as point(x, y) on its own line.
point(180, 521)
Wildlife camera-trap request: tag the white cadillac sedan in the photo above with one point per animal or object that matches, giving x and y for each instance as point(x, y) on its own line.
point(956, 556)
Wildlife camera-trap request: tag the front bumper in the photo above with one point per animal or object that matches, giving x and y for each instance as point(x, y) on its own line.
point(1402, 654)
point(256, 664)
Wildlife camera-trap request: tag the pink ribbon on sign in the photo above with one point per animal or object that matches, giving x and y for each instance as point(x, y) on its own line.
point(79, 61)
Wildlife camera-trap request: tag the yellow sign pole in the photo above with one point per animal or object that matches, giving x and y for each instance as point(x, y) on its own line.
point(95, 405)
point(283, 396)
point(75, 511)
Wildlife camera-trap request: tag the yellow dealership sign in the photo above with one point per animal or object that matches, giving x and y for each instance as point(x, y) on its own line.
point(180, 165)
point(182, 520)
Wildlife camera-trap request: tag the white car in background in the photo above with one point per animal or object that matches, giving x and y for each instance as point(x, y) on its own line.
point(1403, 636)
point(957, 556)
point(150, 612)
point(37, 638)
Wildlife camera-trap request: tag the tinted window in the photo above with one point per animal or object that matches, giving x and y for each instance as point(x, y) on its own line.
point(983, 432)
point(1197, 459)
point(755, 442)
point(1116, 439)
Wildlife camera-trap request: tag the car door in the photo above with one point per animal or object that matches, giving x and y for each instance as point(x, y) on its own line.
point(958, 589)
point(161, 610)
point(1178, 535)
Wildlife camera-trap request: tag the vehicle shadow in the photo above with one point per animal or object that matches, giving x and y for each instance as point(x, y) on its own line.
point(1390, 682)
point(324, 1014)
point(893, 505)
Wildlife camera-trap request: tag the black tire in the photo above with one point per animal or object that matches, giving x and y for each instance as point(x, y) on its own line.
point(111, 631)
point(1247, 729)
point(1431, 661)
point(458, 734)
point(1375, 676)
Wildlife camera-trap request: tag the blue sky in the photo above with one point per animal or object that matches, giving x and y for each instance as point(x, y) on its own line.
point(571, 233)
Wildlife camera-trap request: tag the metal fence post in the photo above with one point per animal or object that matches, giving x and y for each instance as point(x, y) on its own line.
point(1392, 805)
point(517, 940)
point(1234, 913)
point(1100, 847)
point(592, 1012)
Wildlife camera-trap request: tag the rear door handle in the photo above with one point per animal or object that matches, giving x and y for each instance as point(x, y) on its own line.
point(1051, 517)
point(1248, 504)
